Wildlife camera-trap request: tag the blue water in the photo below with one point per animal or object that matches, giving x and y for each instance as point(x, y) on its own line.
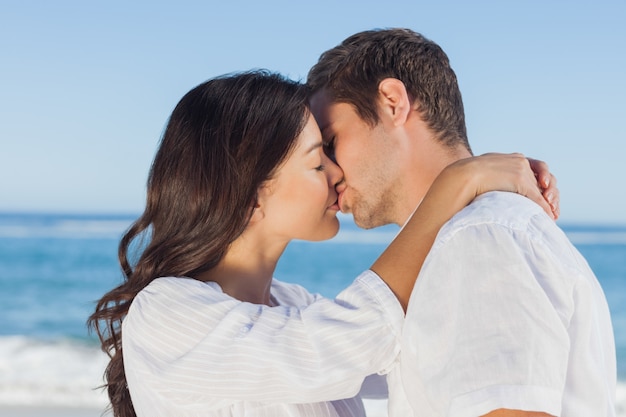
point(54, 267)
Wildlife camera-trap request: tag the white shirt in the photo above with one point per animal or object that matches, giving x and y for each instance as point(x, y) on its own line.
point(505, 314)
point(191, 350)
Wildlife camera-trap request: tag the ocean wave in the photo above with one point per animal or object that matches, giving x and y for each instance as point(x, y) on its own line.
point(597, 238)
point(44, 373)
point(80, 227)
point(66, 229)
point(366, 237)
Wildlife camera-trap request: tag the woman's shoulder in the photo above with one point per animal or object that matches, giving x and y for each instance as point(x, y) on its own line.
point(187, 289)
point(181, 290)
point(183, 282)
point(166, 285)
point(290, 294)
point(178, 300)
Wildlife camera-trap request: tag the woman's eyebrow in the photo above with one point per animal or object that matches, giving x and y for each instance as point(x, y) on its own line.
point(314, 147)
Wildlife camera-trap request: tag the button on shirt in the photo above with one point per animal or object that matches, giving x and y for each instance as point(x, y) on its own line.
point(505, 313)
point(191, 350)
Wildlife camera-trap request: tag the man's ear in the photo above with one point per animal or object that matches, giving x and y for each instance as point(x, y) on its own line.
point(394, 102)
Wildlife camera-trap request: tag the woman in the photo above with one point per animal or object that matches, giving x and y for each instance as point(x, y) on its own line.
point(240, 172)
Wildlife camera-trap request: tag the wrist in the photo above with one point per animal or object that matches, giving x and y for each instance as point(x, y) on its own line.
point(465, 177)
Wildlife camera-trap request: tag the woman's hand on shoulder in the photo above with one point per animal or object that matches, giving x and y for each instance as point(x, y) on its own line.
point(514, 173)
point(547, 182)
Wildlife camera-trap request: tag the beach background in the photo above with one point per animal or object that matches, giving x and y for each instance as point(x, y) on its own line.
point(53, 267)
point(86, 89)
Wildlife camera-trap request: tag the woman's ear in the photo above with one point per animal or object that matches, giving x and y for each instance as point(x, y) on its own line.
point(258, 205)
point(393, 101)
point(257, 213)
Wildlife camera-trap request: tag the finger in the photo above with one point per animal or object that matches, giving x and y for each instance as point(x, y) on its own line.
point(552, 195)
point(536, 195)
point(542, 172)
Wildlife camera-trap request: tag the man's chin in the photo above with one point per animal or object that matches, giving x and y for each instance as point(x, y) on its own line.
point(364, 223)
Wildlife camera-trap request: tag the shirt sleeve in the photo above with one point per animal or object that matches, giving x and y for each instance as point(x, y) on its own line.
point(194, 344)
point(486, 327)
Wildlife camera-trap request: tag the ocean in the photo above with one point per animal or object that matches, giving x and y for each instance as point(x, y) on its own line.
point(54, 267)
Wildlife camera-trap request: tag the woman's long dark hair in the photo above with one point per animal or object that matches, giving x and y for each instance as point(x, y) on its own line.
point(223, 140)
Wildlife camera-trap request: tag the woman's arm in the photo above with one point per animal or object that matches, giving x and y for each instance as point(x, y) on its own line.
point(453, 189)
point(196, 346)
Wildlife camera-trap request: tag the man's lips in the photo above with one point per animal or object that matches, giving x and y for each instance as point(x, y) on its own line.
point(340, 201)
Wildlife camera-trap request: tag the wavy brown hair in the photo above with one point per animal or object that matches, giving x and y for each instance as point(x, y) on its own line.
point(223, 140)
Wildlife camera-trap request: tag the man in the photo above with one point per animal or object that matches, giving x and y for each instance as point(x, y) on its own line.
point(506, 318)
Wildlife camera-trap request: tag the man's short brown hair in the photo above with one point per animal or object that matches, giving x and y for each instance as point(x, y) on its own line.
point(351, 72)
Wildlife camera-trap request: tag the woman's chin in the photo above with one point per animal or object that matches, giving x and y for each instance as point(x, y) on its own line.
point(326, 232)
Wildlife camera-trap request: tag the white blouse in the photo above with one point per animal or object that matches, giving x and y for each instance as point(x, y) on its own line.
point(191, 350)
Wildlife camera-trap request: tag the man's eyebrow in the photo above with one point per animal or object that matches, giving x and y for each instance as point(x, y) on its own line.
point(324, 129)
point(326, 134)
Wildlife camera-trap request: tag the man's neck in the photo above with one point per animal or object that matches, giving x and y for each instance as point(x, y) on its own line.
point(422, 172)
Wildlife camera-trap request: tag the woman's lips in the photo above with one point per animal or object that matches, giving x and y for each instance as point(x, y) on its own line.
point(337, 204)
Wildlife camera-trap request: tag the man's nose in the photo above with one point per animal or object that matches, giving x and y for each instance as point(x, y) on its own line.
point(340, 186)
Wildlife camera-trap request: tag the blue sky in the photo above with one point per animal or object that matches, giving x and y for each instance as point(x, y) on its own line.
point(86, 87)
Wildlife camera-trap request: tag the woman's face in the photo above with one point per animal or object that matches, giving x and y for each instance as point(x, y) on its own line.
point(300, 202)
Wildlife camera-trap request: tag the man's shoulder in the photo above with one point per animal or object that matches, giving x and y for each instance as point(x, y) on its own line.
point(498, 209)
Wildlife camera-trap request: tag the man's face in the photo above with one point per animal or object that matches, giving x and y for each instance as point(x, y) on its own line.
point(367, 158)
